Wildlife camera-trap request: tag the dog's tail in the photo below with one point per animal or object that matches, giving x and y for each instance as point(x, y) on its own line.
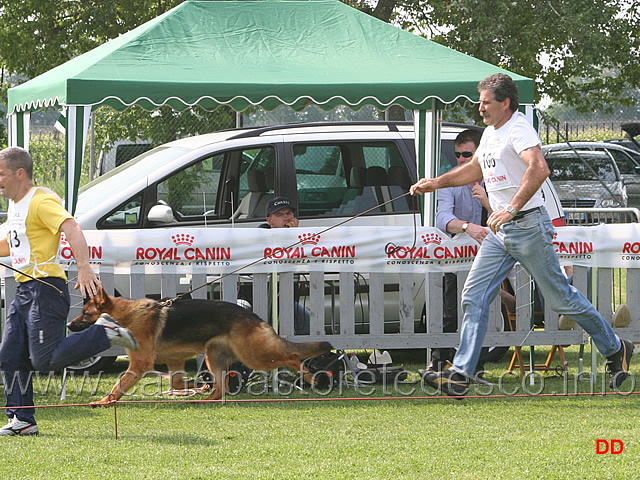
point(305, 350)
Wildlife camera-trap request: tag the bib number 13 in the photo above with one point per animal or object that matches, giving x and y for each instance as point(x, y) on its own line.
point(14, 239)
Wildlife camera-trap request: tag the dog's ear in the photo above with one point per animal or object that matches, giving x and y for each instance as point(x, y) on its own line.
point(102, 298)
point(96, 299)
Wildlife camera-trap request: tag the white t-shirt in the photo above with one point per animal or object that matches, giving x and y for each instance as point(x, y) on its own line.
point(502, 166)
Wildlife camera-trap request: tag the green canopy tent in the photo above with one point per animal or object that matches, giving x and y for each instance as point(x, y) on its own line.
point(267, 54)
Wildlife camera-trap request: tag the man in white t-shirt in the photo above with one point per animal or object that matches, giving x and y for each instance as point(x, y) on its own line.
point(510, 160)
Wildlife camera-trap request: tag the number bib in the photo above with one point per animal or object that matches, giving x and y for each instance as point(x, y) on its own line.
point(493, 170)
point(17, 232)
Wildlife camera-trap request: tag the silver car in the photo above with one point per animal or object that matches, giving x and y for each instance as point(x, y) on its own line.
point(586, 179)
point(627, 160)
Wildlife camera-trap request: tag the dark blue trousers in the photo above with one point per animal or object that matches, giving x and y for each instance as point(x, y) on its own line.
point(35, 330)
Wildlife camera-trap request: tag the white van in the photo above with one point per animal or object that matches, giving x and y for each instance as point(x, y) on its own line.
point(330, 171)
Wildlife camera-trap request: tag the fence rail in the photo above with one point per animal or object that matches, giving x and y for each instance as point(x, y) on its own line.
point(556, 133)
point(355, 310)
point(337, 316)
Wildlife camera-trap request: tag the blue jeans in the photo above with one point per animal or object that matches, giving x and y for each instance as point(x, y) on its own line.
point(529, 242)
point(34, 335)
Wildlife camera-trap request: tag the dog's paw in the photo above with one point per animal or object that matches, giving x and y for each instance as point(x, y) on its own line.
point(203, 389)
point(103, 402)
point(215, 394)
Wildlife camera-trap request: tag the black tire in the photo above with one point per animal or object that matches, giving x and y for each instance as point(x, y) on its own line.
point(93, 364)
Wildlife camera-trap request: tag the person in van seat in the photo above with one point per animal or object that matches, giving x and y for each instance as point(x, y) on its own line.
point(280, 213)
point(510, 160)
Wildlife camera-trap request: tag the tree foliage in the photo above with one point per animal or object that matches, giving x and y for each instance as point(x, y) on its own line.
point(580, 52)
point(37, 35)
point(48, 155)
point(164, 125)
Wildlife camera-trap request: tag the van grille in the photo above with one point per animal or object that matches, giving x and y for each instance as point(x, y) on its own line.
point(578, 203)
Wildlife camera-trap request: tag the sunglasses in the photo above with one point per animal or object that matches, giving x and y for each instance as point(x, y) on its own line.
point(464, 154)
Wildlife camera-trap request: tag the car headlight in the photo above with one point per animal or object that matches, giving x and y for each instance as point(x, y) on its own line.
point(610, 203)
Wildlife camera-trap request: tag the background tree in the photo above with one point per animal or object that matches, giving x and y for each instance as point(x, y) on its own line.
point(584, 53)
point(37, 35)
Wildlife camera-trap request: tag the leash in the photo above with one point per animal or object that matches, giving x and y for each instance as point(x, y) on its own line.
point(32, 278)
point(389, 248)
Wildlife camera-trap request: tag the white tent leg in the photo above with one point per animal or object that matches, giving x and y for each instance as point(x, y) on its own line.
point(19, 129)
point(427, 125)
point(78, 117)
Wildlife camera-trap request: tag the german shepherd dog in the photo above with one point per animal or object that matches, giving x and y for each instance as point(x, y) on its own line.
point(172, 334)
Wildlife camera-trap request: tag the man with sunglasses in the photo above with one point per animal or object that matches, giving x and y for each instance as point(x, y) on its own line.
point(510, 160)
point(460, 209)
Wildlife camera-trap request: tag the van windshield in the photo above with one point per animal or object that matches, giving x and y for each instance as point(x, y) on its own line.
point(125, 175)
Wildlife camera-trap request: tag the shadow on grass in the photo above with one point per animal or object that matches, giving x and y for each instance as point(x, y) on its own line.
point(182, 439)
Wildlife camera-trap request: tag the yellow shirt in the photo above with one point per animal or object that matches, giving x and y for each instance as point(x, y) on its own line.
point(33, 231)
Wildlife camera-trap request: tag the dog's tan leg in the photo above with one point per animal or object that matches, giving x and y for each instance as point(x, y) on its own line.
point(176, 375)
point(218, 368)
point(139, 363)
point(216, 390)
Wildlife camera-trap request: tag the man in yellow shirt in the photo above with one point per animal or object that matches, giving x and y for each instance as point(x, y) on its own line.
point(34, 330)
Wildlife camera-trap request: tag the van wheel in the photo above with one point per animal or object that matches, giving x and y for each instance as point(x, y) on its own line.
point(93, 364)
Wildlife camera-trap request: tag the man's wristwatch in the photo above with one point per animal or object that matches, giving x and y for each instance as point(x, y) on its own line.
point(511, 210)
point(465, 226)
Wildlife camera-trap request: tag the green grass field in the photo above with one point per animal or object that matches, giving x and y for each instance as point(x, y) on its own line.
point(551, 437)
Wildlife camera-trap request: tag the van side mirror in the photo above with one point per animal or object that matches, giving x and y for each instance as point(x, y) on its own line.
point(160, 214)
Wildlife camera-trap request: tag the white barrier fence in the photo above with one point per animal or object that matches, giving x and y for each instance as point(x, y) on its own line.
point(354, 316)
point(380, 307)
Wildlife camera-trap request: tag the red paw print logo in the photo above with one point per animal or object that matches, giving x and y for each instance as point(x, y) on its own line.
point(183, 239)
point(309, 238)
point(432, 238)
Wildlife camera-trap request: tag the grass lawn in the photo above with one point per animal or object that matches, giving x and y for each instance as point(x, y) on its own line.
point(484, 437)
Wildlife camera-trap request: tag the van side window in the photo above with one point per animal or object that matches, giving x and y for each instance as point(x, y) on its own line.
point(320, 178)
point(193, 190)
point(126, 215)
point(350, 178)
point(256, 182)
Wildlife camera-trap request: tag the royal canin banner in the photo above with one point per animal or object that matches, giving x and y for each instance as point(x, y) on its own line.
point(367, 249)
